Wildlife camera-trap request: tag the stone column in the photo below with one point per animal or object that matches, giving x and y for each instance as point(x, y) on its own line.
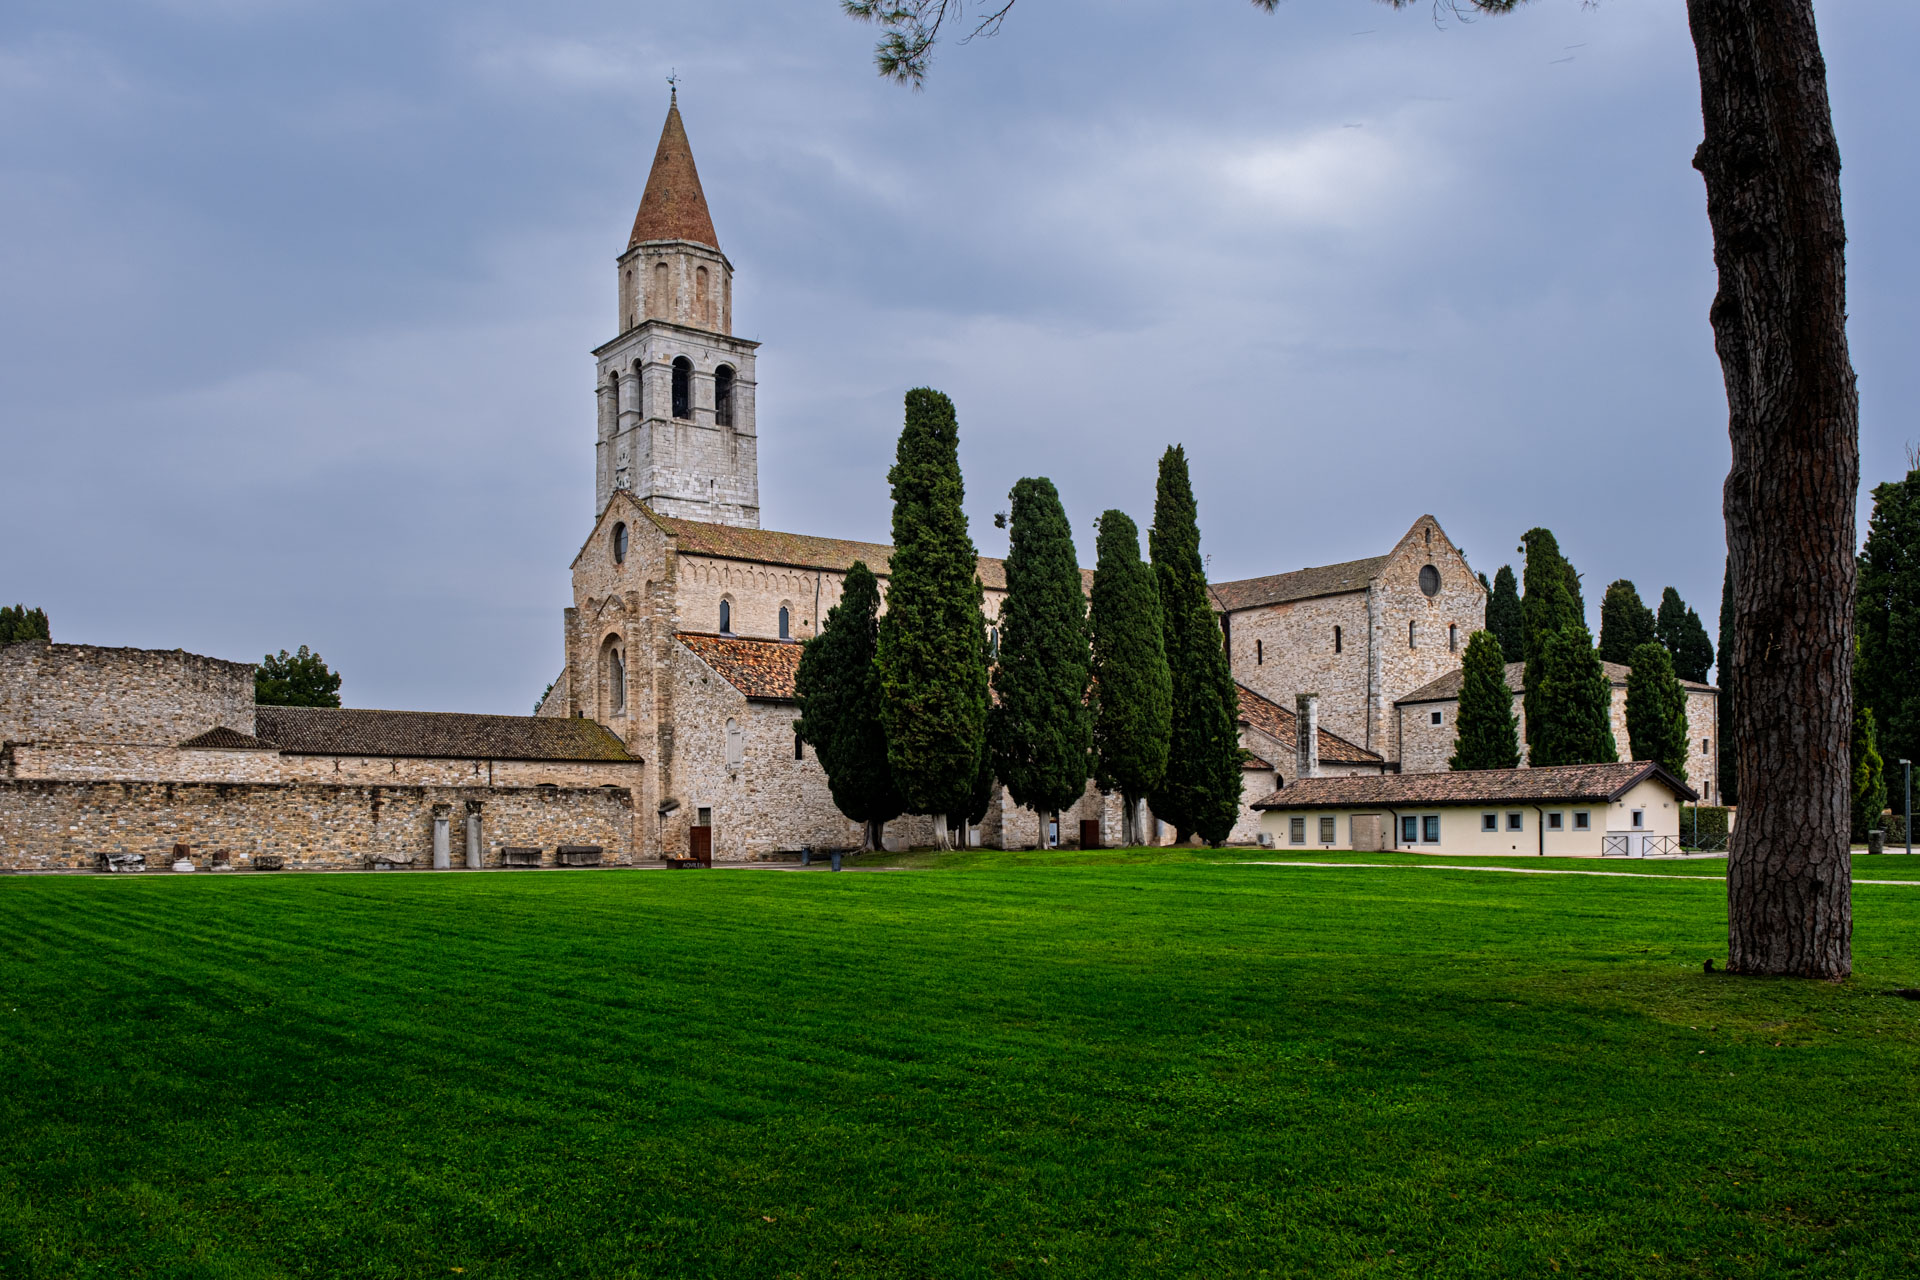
point(1307, 747)
point(441, 842)
point(473, 835)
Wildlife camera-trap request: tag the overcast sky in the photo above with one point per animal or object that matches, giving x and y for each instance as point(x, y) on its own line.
point(297, 295)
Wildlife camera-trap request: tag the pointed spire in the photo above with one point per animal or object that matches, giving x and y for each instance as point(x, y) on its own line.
point(674, 207)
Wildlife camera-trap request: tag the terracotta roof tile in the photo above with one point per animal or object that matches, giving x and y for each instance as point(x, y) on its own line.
point(439, 735)
point(1301, 584)
point(1447, 687)
point(761, 669)
point(1563, 784)
point(801, 550)
point(222, 738)
point(673, 206)
point(1279, 722)
point(1254, 762)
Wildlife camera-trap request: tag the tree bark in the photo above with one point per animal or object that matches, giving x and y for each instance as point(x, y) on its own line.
point(1772, 170)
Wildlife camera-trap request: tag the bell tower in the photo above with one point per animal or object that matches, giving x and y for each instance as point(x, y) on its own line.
point(676, 388)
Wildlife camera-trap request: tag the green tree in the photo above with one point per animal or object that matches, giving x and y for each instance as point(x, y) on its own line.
point(1200, 792)
point(1887, 616)
point(1506, 617)
point(1771, 163)
point(1132, 689)
point(297, 680)
point(1869, 775)
point(1548, 608)
point(1487, 735)
point(1576, 699)
point(1727, 757)
point(19, 623)
point(838, 688)
point(932, 645)
point(1685, 637)
point(1656, 710)
point(1625, 623)
point(1040, 729)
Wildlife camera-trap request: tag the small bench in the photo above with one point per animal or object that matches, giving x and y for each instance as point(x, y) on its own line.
point(577, 855)
point(519, 856)
point(389, 861)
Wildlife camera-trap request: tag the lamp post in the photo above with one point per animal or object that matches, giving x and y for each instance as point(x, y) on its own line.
point(1906, 768)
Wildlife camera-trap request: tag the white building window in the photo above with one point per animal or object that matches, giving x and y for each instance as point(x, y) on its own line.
point(1430, 829)
point(1409, 830)
point(1489, 822)
point(1297, 830)
point(1326, 829)
point(1639, 819)
point(1555, 821)
point(1516, 821)
point(1582, 820)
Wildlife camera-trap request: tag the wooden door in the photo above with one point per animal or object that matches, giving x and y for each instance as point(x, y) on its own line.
point(1089, 833)
point(700, 845)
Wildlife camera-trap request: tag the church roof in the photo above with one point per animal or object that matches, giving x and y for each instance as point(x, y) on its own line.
point(224, 739)
point(439, 735)
point(760, 669)
point(1301, 584)
point(1562, 784)
point(673, 206)
point(1447, 687)
point(799, 550)
point(1276, 721)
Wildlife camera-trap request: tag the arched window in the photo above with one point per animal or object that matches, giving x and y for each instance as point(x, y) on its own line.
point(660, 306)
point(700, 309)
point(784, 617)
point(639, 389)
point(723, 395)
point(620, 543)
point(726, 617)
point(1259, 652)
point(633, 303)
point(1410, 635)
point(616, 669)
point(1336, 640)
point(1453, 637)
point(736, 745)
point(799, 752)
point(682, 387)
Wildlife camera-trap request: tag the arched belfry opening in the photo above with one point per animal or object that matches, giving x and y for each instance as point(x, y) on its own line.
point(723, 396)
point(682, 388)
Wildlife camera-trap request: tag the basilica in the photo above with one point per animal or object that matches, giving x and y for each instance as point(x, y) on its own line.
point(668, 731)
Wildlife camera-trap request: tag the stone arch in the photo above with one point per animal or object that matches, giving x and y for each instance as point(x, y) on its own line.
point(612, 679)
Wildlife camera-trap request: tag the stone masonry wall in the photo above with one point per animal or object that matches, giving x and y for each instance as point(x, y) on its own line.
point(1402, 665)
point(50, 825)
point(85, 693)
point(1282, 650)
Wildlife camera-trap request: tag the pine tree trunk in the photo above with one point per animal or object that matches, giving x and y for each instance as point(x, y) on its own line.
point(1772, 171)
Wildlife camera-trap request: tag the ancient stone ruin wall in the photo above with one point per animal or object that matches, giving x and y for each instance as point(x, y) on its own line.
point(84, 693)
point(49, 825)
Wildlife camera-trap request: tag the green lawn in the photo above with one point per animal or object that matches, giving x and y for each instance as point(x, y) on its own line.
point(1116, 1065)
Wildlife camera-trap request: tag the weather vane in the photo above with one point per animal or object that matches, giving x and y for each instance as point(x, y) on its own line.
point(673, 85)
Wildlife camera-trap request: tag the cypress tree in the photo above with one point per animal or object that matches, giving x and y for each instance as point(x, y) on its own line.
point(1625, 623)
point(1505, 616)
point(838, 688)
point(1132, 690)
point(932, 642)
point(1548, 609)
point(1576, 699)
point(1728, 761)
point(1200, 792)
point(1887, 616)
point(1040, 729)
point(1685, 636)
point(1575, 601)
point(1487, 736)
point(1869, 774)
point(19, 623)
point(1656, 710)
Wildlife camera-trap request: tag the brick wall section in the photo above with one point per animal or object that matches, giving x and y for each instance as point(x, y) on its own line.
point(51, 825)
point(83, 693)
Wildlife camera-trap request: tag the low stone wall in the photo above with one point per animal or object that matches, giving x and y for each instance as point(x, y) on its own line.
point(65, 825)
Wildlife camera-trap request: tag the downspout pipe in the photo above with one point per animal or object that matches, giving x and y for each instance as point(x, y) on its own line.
point(1395, 815)
point(1540, 828)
